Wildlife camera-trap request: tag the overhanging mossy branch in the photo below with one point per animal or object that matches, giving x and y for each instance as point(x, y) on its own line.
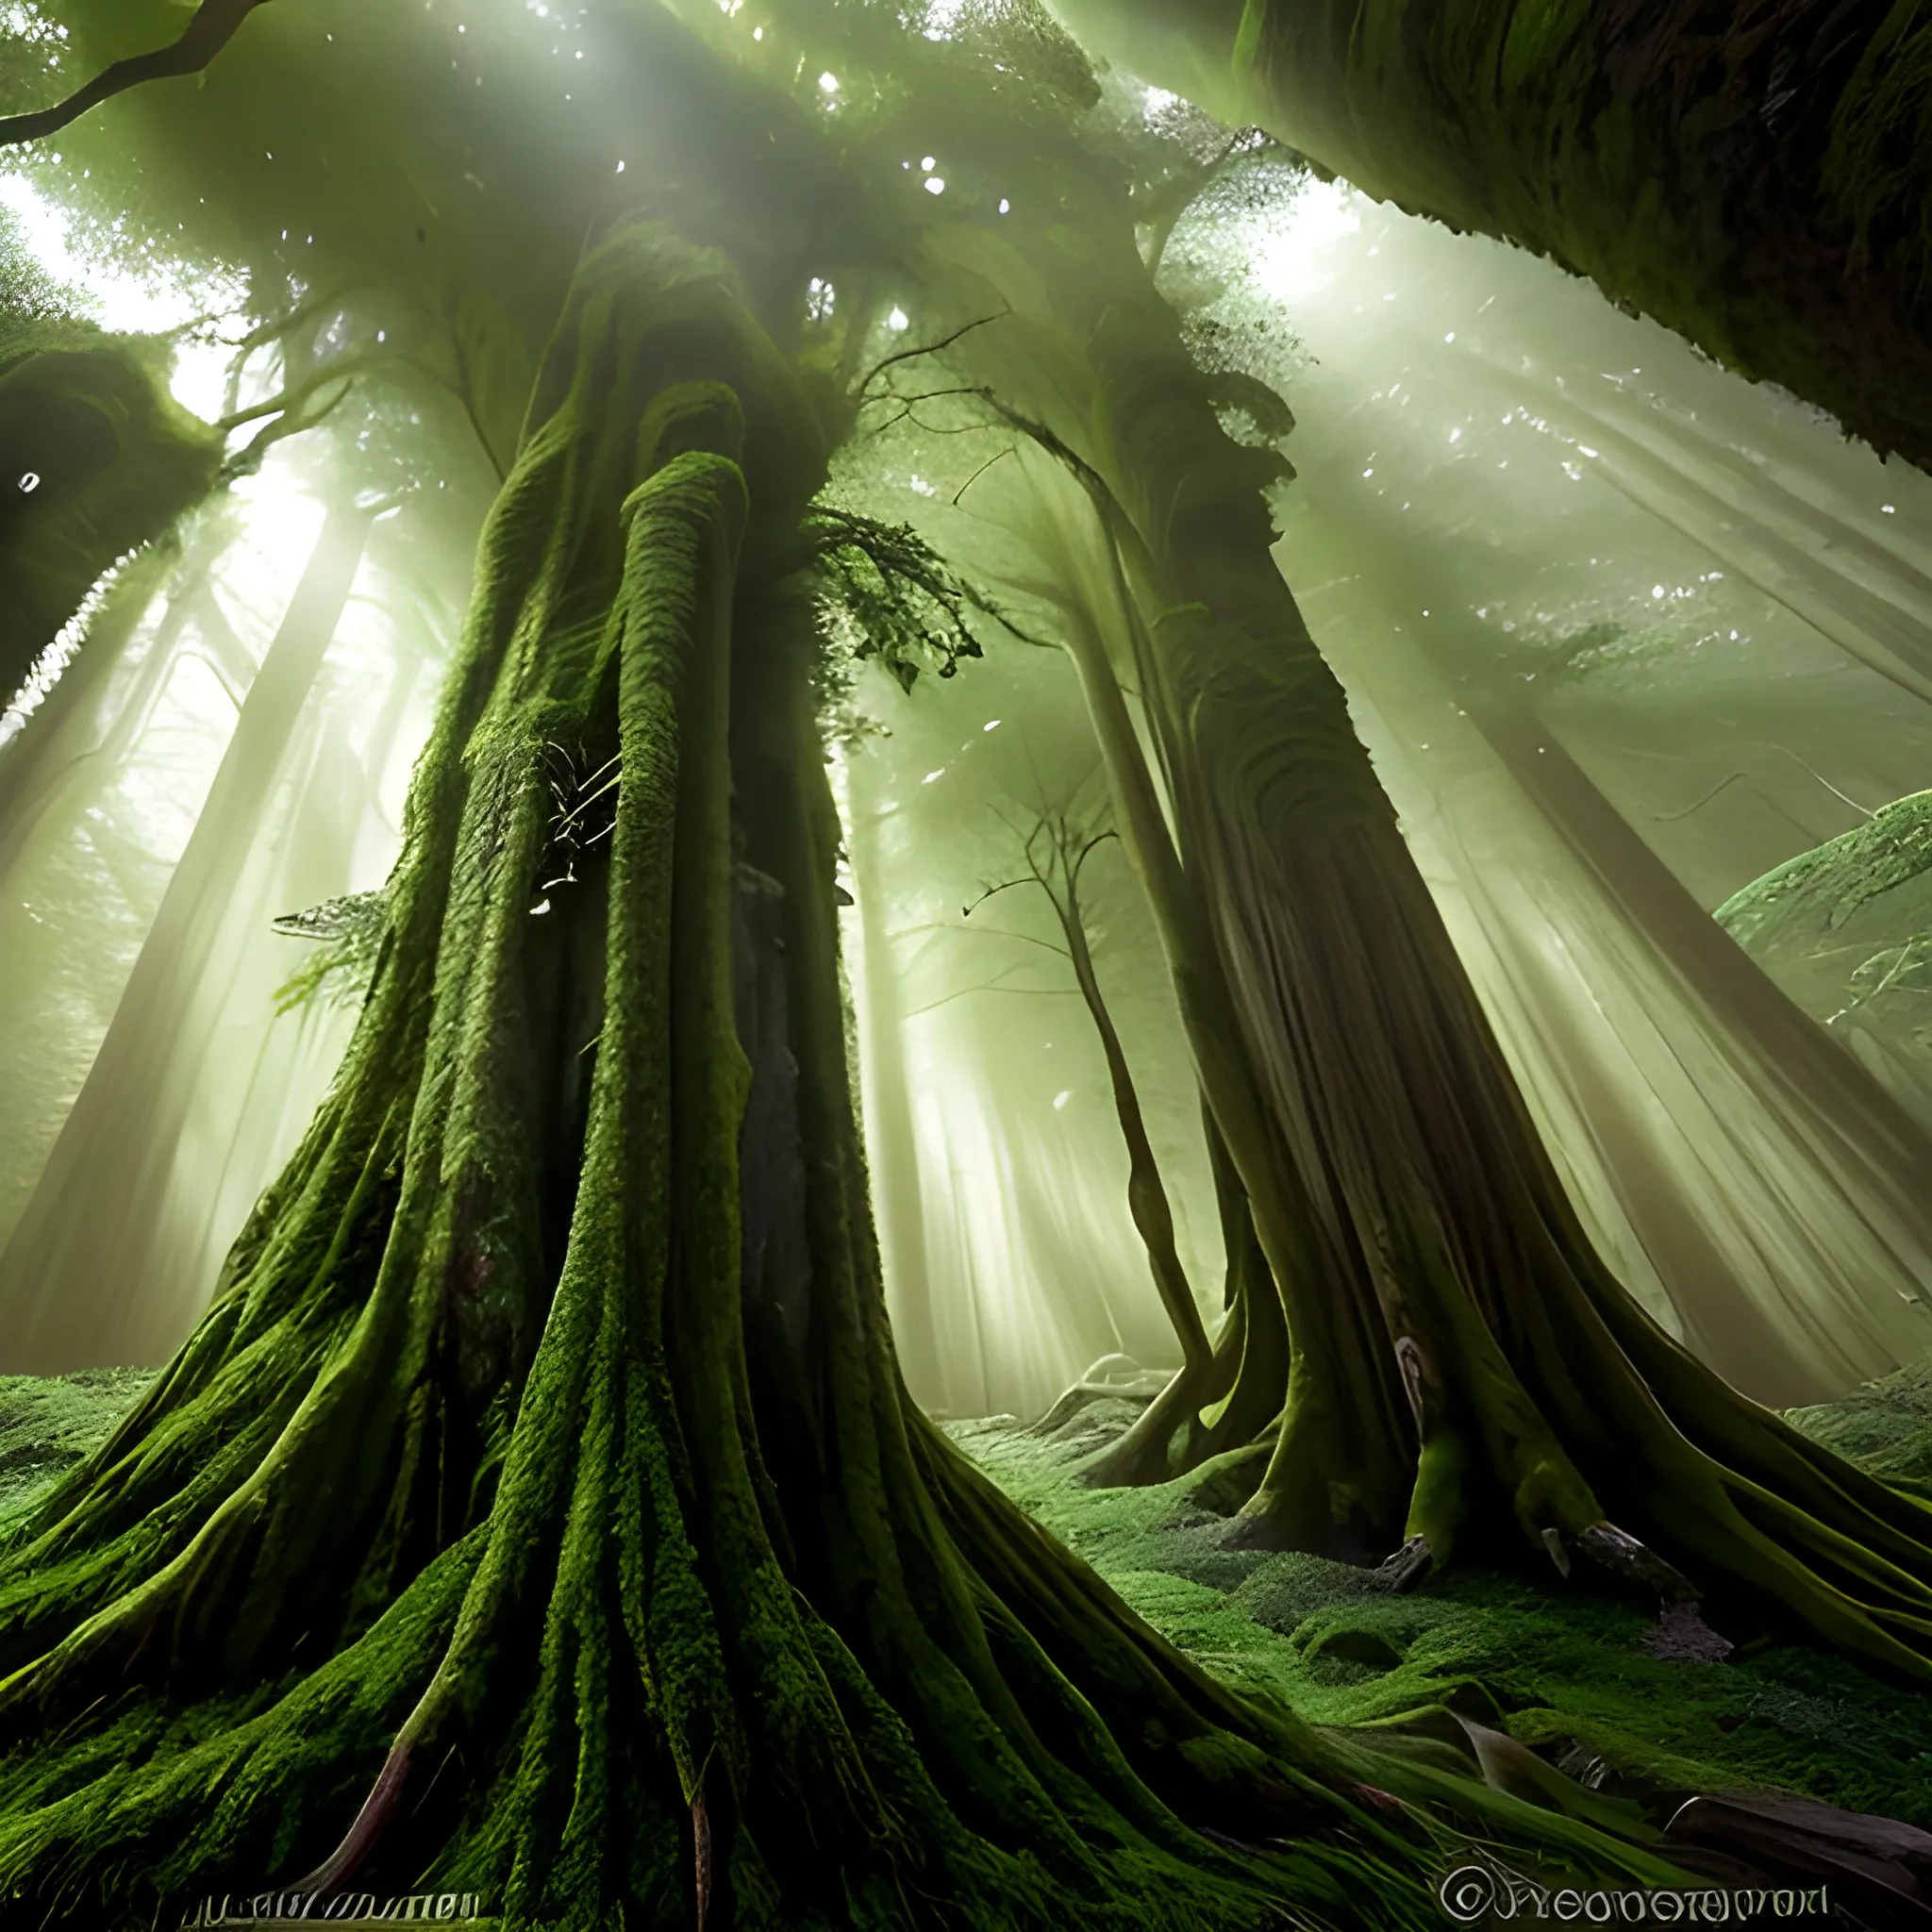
point(214, 25)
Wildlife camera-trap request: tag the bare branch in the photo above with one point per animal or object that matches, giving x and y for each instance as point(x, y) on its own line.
point(1049, 993)
point(1667, 818)
point(991, 932)
point(878, 369)
point(295, 417)
point(279, 326)
point(979, 473)
point(993, 891)
point(1085, 853)
point(291, 400)
point(213, 26)
point(1864, 811)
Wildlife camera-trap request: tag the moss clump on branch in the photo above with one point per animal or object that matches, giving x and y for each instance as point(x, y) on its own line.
point(96, 460)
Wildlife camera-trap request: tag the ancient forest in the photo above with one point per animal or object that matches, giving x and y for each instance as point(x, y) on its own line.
point(965, 965)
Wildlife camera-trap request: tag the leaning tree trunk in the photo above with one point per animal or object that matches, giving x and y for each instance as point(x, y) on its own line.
point(519, 1479)
point(1752, 175)
point(1466, 1372)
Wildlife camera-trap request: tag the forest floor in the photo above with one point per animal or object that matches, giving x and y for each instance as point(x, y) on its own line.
point(1560, 1669)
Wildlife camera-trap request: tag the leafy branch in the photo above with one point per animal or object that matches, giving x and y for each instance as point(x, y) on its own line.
point(891, 598)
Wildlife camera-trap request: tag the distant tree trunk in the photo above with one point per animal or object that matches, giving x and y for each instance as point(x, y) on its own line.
point(83, 1289)
point(1753, 175)
point(237, 1137)
point(899, 1202)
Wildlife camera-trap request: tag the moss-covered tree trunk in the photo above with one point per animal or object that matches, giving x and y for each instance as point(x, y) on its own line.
point(1466, 1372)
point(538, 1512)
point(1754, 175)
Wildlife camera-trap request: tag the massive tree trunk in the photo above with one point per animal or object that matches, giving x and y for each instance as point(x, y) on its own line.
point(1466, 1371)
point(519, 1447)
point(1746, 1178)
point(1754, 175)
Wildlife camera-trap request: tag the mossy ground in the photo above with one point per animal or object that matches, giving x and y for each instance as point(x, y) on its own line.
point(48, 1423)
point(1547, 1664)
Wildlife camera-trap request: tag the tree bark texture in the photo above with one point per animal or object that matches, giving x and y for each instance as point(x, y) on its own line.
point(1755, 174)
